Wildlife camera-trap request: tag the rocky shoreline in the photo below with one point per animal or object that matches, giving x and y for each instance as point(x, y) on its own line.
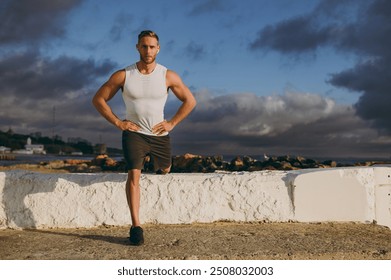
point(189, 163)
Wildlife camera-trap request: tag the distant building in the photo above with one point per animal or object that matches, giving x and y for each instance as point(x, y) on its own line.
point(32, 148)
point(4, 150)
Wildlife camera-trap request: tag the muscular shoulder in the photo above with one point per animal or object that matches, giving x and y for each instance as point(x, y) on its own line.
point(117, 78)
point(173, 78)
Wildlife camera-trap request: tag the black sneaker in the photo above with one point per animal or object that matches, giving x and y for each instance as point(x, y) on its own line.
point(136, 237)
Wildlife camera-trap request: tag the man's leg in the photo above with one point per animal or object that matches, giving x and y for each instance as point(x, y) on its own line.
point(161, 154)
point(133, 195)
point(163, 171)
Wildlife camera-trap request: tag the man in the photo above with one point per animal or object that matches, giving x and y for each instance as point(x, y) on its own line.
point(145, 86)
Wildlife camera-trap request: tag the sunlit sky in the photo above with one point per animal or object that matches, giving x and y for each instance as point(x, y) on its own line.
point(302, 77)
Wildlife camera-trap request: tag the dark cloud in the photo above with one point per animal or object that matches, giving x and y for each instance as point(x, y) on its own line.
point(32, 85)
point(25, 20)
point(206, 7)
point(373, 79)
point(368, 33)
point(293, 123)
point(370, 37)
point(291, 36)
point(30, 76)
point(358, 27)
point(194, 51)
point(331, 23)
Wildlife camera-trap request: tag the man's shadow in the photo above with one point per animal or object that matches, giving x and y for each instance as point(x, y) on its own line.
point(95, 237)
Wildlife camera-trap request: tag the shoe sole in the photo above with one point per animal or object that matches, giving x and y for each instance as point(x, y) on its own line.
point(136, 243)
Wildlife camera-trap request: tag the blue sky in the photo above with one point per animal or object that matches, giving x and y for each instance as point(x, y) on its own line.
point(278, 77)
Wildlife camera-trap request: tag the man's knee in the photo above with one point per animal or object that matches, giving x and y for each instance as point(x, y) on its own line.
point(134, 175)
point(164, 171)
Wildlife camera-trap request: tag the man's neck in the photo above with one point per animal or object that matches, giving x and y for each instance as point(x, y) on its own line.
point(145, 68)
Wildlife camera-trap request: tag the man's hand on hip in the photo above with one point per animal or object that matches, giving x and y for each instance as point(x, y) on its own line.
point(162, 127)
point(128, 125)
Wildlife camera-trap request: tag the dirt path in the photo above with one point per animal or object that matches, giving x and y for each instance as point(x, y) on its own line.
point(248, 241)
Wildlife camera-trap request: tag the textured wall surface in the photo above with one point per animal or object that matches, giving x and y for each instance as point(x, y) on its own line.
point(34, 200)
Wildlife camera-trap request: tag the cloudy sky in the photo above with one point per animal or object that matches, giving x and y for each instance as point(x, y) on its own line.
point(305, 77)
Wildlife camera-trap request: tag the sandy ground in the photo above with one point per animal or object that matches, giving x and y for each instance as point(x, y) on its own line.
point(223, 240)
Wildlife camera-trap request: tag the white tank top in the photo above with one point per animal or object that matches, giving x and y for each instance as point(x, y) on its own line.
point(145, 97)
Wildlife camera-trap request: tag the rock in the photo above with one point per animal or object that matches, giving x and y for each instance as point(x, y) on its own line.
point(187, 163)
point(236, 164)
point(286, 158)
point(94, 169)
point(81, 168)
point(286, 166)
point(55, 164)
point(366, 163)
point(253, 168)
point(297, 165)
point(99, 160)
point(269, 167)
point(248, 161)
point(109, 164)
point(330, 163)
point(218, 160)
point(300, 159)
point(190, 163)
point(76, 161)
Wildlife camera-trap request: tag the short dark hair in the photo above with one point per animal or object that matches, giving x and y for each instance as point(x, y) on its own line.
point(148, 33)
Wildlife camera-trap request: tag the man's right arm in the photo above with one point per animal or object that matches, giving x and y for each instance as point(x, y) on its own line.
point(107, 92)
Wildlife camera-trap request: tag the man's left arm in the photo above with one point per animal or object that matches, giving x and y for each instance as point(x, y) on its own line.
point(182, 92)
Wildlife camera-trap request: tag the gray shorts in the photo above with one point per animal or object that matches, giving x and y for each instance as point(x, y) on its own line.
point(137, 147)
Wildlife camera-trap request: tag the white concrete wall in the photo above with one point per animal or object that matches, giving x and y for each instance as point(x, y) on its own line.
point(33, 200)
point(344, 194)
point(335, 195)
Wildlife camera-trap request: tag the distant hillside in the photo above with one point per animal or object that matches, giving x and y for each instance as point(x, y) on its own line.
point(52, 145)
